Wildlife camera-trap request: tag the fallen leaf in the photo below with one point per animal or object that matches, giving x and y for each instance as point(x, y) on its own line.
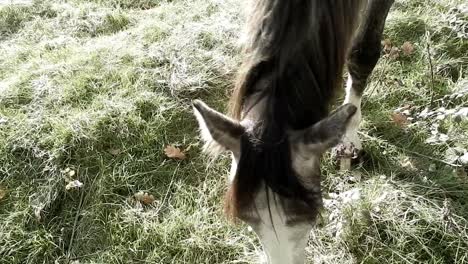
point(407, 48)
point(356, 177)
point(387, 45)
point(174, 153)
point(144, 197)
point(407, 163)
point(400, 119)
point(71, 173)
point(3, 192)
point(394, 53)
point(76, 184)
point(114, 152)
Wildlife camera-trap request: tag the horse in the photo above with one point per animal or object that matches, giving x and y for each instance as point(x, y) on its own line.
point(279, 122)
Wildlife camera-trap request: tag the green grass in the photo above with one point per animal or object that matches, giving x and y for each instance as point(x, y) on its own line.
point(101, 87)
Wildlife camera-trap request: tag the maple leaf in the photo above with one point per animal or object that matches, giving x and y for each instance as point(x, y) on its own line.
point(174, 153)
point(399, 119)
point(407, 48)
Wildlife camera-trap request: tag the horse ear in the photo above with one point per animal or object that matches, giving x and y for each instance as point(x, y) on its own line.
point(328, 132)
point(217, 130)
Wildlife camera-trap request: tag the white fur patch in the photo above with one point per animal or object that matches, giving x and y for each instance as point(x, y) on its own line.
point(232, 172)
point(283, 244)
point(351, 136)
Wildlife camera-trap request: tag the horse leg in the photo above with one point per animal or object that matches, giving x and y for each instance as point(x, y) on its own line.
point(362, 58)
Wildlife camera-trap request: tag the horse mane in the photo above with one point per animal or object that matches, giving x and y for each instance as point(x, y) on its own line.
point(293, 61)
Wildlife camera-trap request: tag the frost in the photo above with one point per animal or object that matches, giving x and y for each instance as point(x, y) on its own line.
point(437, 138)
point(463, 112)
point(463, 159)
point(453, 154)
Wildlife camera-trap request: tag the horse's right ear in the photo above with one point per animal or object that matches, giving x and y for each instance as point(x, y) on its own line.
point(218, 130)
point(327, 133)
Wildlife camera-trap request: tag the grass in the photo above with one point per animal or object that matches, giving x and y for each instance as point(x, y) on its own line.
point(94, 91)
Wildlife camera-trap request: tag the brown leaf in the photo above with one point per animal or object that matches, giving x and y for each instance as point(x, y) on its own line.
point(174, 153)
point(399, 119)
point(144, 197)
point(387, 45)
point(394, 53)
point(407, 48)
point(114, 152)
point(3, 192)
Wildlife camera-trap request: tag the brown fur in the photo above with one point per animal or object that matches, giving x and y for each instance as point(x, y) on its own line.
point(293, 61)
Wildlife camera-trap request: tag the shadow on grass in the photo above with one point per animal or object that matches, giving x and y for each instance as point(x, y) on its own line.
point(424, 166)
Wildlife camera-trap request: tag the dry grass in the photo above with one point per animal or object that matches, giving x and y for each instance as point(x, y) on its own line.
point(101, 87)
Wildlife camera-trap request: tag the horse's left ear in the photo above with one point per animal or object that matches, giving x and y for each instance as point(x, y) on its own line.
point(218, 129)
point(327, 133)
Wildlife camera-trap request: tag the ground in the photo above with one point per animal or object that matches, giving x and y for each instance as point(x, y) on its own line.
point(92, 92)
